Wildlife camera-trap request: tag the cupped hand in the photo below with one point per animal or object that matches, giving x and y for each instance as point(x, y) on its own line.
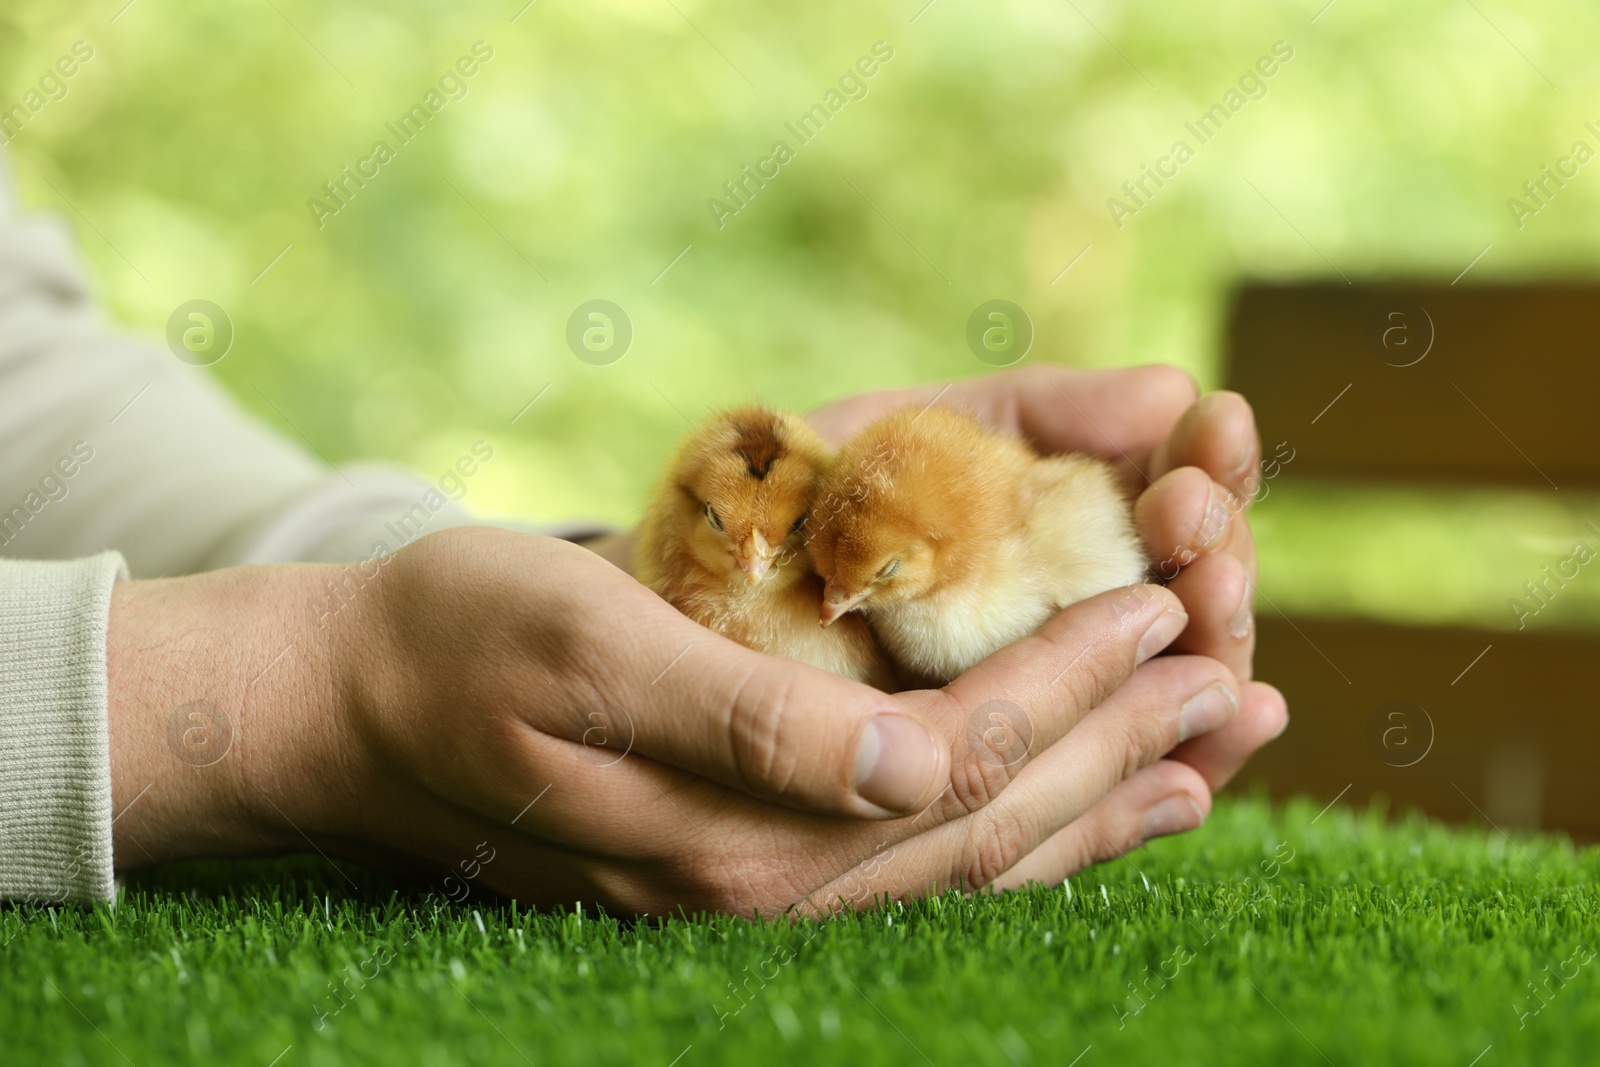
point(517, 711)
point(1195, 463)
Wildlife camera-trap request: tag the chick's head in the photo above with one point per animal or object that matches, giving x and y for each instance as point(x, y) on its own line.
point(904, 509)
point(870, 558)
point(744, 483)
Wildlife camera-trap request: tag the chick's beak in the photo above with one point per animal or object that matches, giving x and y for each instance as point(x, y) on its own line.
point(755, 558)
point(835, 603)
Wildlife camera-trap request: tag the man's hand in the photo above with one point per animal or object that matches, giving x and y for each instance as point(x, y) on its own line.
point(491, 694)
point(1194, 462)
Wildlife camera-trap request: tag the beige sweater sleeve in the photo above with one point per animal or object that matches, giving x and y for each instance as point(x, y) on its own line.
point(108, 444)
point(55, 773)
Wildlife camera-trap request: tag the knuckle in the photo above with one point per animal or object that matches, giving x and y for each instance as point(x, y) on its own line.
point(1147, 738)
point(1103, 668)
point(756, 722)
point(716, 881)
point(974, 784)
point(992, 846)
point(997, 741)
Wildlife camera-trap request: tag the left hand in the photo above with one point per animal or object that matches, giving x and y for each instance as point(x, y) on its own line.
point(1191, 457)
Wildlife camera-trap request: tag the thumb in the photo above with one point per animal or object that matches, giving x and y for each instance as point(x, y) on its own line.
point(781, 730)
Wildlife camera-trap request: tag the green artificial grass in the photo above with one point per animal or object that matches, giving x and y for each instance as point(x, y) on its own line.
point(1272, 936)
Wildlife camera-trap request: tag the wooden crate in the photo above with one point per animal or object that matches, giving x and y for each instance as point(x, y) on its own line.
point(1431, 385)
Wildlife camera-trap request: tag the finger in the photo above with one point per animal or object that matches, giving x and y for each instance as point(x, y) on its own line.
point(1166, 700)
point(1218, 435)
point(1016, 704)
point(1120, 414)
point(1190, 523)
point(1217, 593)
point(1263, 717)
point(1167, 797)
point(780, 730)
point(1183, 515)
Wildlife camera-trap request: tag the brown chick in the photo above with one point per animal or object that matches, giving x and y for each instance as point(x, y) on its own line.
point(956, 541)
point(722, 542)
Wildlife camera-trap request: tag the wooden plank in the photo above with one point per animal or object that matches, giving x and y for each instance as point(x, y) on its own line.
point(1435, 719)
point(1425, 382)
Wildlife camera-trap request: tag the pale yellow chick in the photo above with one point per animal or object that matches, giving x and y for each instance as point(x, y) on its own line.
point(956, 541)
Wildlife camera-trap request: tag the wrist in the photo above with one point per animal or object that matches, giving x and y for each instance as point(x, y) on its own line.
point(224, 711)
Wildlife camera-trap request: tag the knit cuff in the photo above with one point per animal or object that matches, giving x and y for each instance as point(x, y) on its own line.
point(55, 749)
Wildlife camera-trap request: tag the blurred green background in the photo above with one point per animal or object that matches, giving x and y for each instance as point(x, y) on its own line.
point(432, 308)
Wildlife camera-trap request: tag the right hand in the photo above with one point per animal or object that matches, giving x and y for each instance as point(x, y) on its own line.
point(1194, 462)
point(519, 691)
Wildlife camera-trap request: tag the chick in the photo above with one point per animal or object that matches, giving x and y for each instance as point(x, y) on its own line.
point(723, 543)
point(956, 541)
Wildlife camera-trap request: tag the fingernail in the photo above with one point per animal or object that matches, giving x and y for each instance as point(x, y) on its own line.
point(1162, 632)
point(896, 759)
point(1173, 815)
point(1284, 727)
point(1213, 706)
point(1244, 615)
